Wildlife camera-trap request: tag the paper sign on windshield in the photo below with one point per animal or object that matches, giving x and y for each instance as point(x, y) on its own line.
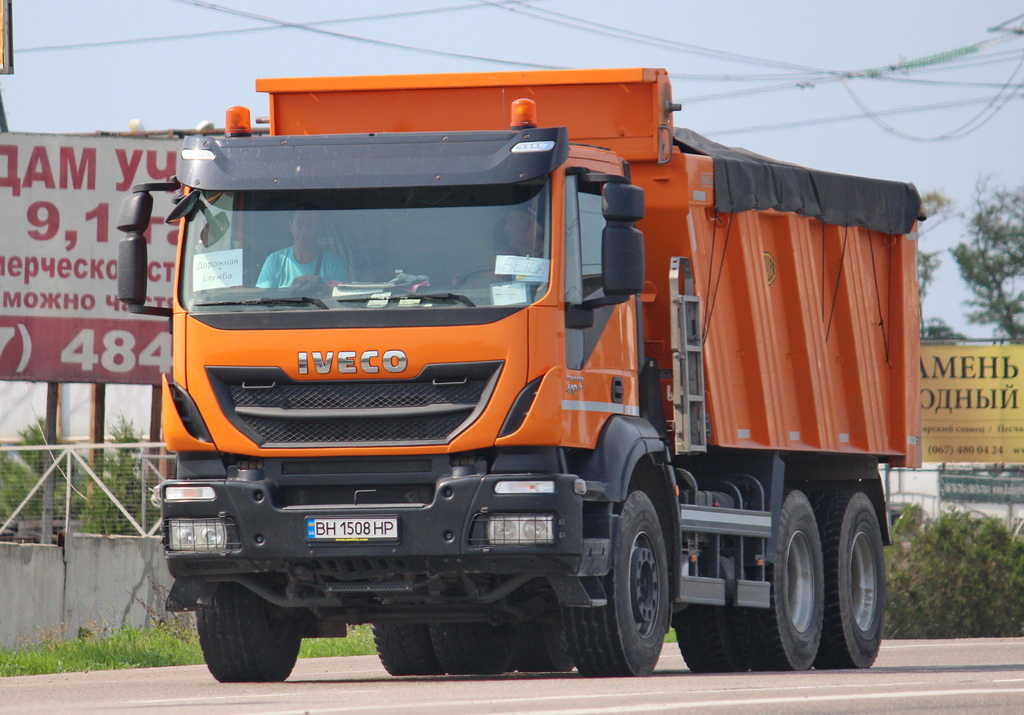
point(525, 268)
point(217, 269)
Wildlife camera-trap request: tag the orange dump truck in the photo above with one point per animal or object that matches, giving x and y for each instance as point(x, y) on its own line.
point(523, 375)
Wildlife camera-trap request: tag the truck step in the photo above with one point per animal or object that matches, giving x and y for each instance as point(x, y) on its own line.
point(712, 592)
point(719, 520)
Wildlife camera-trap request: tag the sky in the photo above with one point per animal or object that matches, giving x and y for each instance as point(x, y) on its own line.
point(912, 90)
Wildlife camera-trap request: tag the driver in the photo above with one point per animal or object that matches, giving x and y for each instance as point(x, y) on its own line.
point(520, 233)
point(304, 263)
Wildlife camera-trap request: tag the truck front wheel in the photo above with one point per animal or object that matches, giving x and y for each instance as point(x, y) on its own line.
point(785, 636)
point(625, 636)
point(854, 580)
point(246, 639)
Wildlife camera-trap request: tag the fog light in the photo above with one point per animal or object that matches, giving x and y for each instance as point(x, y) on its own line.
point(197, 535)
point(520, 529)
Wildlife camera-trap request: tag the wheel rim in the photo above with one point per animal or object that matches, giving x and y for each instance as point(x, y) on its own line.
point(800, 572)
point(863, 581)
point(643, 581)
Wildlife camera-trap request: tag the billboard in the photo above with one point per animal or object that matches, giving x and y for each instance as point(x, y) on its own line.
point(972, 407)
point(981, 489)
point(60, 320)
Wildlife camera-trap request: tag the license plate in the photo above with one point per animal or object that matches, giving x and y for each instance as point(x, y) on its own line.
point(352, 528)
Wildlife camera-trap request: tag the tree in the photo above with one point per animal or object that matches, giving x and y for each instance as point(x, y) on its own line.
point(939, 208)
point(992, 261)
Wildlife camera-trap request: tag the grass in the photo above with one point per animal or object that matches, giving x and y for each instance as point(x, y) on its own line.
point(147, 648)
point(166, 644)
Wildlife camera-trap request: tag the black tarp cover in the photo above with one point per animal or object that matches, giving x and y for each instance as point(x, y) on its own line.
point(745, 180)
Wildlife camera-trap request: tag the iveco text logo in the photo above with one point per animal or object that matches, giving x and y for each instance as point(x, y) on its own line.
point(349, 361)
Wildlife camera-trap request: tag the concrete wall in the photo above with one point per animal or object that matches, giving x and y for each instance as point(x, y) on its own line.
point(96, 582)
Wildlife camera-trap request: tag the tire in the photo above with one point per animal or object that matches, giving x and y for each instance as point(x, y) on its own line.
point(625, 637)
point(707, 641)
point(472, 648)
point(785, 636)
point(855, 583)
point(541, 648)
point(246, 639)
point(406, 649)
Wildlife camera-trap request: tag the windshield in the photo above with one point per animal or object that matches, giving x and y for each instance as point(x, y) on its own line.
point(359, 249)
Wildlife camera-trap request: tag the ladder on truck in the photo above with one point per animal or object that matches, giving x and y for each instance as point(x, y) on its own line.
point(688, 416)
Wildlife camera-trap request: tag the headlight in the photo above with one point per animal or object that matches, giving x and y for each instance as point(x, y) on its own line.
point(201, 535)
point(520, 529)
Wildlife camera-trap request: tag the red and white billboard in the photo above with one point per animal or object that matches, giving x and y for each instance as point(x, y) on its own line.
point(60, 197)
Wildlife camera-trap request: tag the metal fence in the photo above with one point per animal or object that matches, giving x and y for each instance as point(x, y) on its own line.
point(929, 488)
point(49, 491)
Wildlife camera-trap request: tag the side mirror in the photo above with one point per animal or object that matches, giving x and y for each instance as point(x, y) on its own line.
point(622, 203)
point(132, 258)
point(132, 253)
point(136, 210)
point(622, 245)
point(622, 259)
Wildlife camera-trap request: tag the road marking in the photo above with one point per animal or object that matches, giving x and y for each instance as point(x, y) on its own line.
point(947, 644)
point(651, 707)
point(240, 696)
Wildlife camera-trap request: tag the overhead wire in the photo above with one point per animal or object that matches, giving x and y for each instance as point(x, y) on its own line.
point(357, 38)
point(584, 25)
point(975, 123)
point(245, 30)
point(848, 117)
point(795, 76)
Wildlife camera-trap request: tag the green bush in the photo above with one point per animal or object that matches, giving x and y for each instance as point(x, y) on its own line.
point(960, 577)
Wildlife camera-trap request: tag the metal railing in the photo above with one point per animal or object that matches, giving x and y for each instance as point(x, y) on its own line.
point(48, 490)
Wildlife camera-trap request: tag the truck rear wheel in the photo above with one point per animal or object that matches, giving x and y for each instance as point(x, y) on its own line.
point(707, 641)
point(625, 636)
point(541, 648)
point(473, 648)
point(406, 649)
point(855, 592)
point(246, 639)
point(785, 636)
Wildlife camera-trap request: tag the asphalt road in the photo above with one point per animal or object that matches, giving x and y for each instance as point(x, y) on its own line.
point(977, 675)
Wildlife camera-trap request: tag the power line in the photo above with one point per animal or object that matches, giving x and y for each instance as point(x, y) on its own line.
point(314, 26)
point(853, 117)
point(245, 30)
point(982, 118)
point(356, 38)
point(585, 25)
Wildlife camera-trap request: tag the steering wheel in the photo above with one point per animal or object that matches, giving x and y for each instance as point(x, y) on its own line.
point(467, 277)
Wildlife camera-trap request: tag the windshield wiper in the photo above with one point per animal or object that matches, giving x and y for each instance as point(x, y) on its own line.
point(454, 297)
point(283, 300)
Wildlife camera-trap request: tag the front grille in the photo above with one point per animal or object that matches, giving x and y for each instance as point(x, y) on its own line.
point(361, 430)
point(432, 408)
point(358, 395)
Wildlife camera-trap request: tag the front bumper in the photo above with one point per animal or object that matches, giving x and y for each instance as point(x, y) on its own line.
point(441, 536)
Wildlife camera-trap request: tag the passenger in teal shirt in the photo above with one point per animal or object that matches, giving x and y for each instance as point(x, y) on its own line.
point(304, 258)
